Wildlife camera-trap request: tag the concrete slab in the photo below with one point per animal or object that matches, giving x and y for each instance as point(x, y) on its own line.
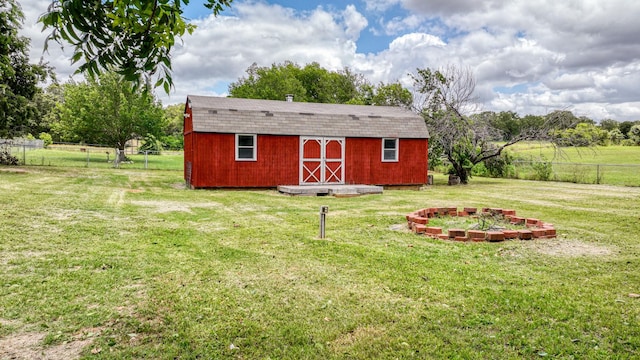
point(334, 190)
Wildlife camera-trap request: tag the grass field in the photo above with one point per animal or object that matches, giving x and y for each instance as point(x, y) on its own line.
point(614, 165)
point(118, 264)
point(92, 157)
point(612, 155)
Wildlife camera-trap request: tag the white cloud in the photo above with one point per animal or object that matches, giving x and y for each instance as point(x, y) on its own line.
point(354, 22)
point(380, 5)
point(582, 55)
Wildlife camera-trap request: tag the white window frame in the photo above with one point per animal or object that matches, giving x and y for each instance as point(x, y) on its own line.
point(396, 148)
point(254, 147)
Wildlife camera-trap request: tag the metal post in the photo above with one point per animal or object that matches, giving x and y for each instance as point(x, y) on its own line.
point(146, 159)
point(323, 213)
point(87, 156)
point(598, 174)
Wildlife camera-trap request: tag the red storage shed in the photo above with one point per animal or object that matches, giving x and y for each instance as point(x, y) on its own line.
point(230, 142)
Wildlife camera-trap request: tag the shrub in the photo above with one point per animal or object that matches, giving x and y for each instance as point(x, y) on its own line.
point(46, 138)
point(634, 134)
point(7, 159)
point(616, 136)
point(543, 170)
point(584, 134)
point(173, 142)
point(496, 167)
point(150, 144)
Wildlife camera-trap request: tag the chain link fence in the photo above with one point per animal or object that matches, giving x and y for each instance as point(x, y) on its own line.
point(96, 156)
point(623, 174)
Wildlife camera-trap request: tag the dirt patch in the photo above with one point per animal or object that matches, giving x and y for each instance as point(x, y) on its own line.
point(365, 334)
point(13, 170)
point(570, 248)
point(172, 206)
point(29, 346)
point(179, 186)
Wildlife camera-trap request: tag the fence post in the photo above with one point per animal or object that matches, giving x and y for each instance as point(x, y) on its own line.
point(146, 159)
point(116, 159)
point(598, 174)
point(24, 154)
point(87, 156)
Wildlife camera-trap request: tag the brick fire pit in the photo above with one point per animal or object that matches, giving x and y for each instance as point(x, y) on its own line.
point(418, 222)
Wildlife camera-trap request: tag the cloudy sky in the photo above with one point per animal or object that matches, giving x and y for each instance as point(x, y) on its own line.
point(531, 57)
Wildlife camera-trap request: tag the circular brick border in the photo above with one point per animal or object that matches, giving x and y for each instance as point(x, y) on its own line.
point(418, 222)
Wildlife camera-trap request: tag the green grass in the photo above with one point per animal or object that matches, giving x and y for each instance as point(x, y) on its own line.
point(77, 156)
point(136, 266)
point(611, 155)
point(614, 165)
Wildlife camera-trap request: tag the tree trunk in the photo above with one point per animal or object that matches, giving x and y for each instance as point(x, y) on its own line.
point(121, 155)
point(462, 173)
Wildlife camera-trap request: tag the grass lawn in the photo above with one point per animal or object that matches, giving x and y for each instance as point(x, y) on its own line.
point(614, 165)
point(612, 155)
point(124, 263)
point(78, 156)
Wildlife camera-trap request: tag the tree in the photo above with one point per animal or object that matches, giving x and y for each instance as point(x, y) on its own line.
point(634, 134)
point(392, 95)
point(172, 138)
point(616, 136)
point(609, 124)
point(107, 110)
point(445, 97)
point(626, 126)
point(18, 78)
point(312, 83)
point(272, 83)
point(45, 103)
point(509, 124)
point(132, 37)
point(583, 134)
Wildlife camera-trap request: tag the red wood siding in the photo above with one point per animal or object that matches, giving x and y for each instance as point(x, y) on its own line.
point(187, 130)
point(364, 165)
point(278, 162)
point(214, 163)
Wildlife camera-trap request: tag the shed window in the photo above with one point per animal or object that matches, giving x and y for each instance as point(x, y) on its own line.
point(245, 147)
point(389, 150)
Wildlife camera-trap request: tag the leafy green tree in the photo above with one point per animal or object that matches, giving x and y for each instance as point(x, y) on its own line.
point(392, 95)
point(583, 134)
point(446, 98)
point(270, 83)
point(509, 124)
point(151, 145)
point(634, 134)
point(107, 110)
point(616, 136)
point(45, 102)
point(132, 37)
point(626, 126)
point(18, 78)
point(609, 124)
point(172, 138)
point(313, 83)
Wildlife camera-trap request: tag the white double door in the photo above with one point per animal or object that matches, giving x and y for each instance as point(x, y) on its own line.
point(321, 160)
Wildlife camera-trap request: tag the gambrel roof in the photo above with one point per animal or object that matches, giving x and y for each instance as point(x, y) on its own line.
point(251, 116)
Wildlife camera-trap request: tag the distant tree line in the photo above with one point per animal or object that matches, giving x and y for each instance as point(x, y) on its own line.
point(312, 83)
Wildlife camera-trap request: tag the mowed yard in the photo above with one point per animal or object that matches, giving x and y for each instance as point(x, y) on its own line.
point(118, 263)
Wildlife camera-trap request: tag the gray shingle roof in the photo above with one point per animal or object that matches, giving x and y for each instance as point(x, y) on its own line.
point(250, 116)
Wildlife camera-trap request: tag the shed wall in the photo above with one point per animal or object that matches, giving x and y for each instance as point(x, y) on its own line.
point(214, 163)
point(364, 163)
point(278, 162)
